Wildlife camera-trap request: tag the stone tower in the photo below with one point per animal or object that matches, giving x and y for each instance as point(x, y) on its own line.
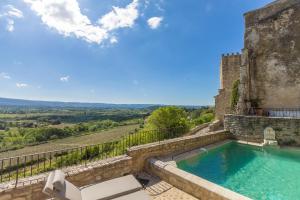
point(269, 67)
point(229, 73)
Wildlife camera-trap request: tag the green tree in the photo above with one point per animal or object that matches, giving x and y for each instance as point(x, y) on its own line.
point(204, 118)
point(169, 117)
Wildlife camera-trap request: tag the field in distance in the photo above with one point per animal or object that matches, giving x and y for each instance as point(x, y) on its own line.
point(74, 141)
point(28, 127)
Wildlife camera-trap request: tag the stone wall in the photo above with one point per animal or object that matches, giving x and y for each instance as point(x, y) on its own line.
point(175, 146)
point(271, 57)
point(229, 73)
point(251, 128)
point(31, 188)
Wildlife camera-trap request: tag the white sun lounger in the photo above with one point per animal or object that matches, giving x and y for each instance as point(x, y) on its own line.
point(123, 188)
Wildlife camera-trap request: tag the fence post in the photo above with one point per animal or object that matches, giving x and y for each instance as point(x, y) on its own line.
point(24, 172)
point(17, 175)
point(86, 153)
point(9, 173)
point(2, 165)
point(31, 162)
point(129, 136)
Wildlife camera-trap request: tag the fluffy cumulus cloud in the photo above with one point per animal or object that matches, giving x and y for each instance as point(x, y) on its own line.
point(65, 79)
point(4, 76)
point(21, 85)
point(154, 22)
point(120, 17)
point(66, 17)
point(10, 13)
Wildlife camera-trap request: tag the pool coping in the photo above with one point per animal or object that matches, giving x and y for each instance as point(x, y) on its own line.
point(250, 143)
point(173, 158)
point(167, 166)
point(190, 183)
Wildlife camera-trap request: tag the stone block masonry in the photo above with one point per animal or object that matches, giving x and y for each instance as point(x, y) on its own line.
point(31, 188)
point(268, 68)
point(270, 74)
point(251, 128)
point(229, 73)
point(175, 146)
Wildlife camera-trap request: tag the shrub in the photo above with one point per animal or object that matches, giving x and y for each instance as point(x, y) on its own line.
point(168, 118)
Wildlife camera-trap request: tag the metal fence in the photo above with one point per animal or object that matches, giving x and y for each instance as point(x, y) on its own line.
point(14, 168)
point(283, 112)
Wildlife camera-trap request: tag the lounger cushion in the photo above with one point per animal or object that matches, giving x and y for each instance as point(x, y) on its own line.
point(140, 195)
point(48, 189)
point(69, 192)
point(59, 180)
point(111, 189)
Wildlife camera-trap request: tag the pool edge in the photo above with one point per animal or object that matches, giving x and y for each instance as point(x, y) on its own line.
point(192, 184)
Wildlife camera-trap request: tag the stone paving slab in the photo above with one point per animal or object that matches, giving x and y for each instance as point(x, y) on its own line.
point(161, 190)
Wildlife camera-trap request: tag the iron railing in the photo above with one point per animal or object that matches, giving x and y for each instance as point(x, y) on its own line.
point(14, 168)
point(283, 112)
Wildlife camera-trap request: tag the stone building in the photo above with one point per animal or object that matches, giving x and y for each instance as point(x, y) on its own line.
point(269, 66)
point(229, 73)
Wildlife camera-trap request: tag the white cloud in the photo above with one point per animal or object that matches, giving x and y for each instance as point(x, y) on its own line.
point(10, 25)
point(120, 17)
point(4, 76)
point(158, 6)
point(65, 79)
point(154, 22)
point(21, 85)
point(113, 40)
point(11, 13)
point(66, 17)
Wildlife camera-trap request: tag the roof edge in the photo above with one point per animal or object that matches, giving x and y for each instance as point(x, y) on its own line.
point(275, 6)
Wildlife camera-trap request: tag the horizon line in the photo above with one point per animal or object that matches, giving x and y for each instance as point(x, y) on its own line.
point(82, 102)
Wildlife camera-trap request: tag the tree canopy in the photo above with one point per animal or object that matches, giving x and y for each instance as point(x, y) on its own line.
point(169, 117)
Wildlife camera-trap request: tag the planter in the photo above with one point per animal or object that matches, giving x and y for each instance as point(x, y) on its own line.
point(259, 111)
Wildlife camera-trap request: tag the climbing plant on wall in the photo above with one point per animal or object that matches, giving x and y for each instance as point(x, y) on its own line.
point(235, 94)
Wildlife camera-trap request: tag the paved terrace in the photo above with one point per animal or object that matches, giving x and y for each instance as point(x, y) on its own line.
point(161, 190)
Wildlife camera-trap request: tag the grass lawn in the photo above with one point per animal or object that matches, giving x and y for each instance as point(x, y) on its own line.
point(94, 138)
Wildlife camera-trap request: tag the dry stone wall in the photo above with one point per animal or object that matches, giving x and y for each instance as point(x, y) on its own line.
point(251, 128)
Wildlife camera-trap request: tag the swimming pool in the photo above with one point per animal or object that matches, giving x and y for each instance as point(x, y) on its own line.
point(261, 173)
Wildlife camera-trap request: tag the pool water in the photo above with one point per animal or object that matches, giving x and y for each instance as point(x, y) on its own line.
point(261, 173)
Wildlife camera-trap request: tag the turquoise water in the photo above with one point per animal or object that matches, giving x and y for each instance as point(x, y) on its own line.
point(256, 172)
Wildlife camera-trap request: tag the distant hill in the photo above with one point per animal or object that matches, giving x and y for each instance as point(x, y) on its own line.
point(7, 102)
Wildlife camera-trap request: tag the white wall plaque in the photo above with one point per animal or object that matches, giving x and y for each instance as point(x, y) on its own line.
point(269, 134)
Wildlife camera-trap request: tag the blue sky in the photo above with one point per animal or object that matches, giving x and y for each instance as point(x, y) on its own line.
point(118, 51)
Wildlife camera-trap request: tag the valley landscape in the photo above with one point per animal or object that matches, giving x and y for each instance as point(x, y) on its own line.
point(29, 127)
